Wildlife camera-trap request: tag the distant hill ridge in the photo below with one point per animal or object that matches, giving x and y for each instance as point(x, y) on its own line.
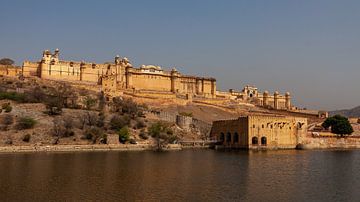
point(354, 112)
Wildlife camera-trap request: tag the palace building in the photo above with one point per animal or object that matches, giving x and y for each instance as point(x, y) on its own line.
point(259, 131)
point(121, 76)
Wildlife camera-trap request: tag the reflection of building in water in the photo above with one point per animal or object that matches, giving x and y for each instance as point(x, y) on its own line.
point(260, 131)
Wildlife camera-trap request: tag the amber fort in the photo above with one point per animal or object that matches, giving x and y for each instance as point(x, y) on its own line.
point(120, 76)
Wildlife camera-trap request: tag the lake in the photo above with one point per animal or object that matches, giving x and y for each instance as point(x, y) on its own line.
point(188, 175)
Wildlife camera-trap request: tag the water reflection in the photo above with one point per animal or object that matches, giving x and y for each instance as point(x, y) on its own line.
point(200, 175)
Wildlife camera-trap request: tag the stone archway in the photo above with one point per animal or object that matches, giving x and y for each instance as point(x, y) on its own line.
point(254, 141)
point(263, 141)
point(228, 137)
point(236, 138)
point(222, 137)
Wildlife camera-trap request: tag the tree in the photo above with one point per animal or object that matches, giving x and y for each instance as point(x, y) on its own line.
point(162, 133)
point(57, 98)
point(63, 127)
point(6, 61)
point(89, 119)
point(340, 125)
point(94, 134)
point(124, 134)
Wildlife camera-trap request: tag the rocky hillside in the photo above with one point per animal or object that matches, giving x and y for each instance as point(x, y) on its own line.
point(354, 112)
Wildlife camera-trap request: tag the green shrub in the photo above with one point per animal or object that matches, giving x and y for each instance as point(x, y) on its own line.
point(103, 139)
point(18, 97)
point(8, 109)
point(25, 123)
point(26, 138)
point(124, 134)
point(89, 102)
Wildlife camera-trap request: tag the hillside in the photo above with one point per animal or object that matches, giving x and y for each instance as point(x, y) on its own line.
point(354, 112)
point(83, 123)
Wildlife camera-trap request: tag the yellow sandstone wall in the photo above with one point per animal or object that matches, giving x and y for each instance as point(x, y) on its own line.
point(151, 82)
point(8, 70)
point(279, 131)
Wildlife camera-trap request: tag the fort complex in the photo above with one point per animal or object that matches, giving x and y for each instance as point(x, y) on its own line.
point(276, 125)
point(147, 80)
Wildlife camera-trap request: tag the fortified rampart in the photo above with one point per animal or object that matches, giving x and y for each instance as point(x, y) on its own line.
point(122, 74)
point(185, 122)
point(8, 70)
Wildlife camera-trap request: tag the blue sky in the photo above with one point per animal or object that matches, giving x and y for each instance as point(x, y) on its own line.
point(310, 48)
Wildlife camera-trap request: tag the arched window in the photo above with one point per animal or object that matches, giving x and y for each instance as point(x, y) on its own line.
point(222, 137)
point(228, 137)
point(236, 137)
point(254, 140)
point(263, 141)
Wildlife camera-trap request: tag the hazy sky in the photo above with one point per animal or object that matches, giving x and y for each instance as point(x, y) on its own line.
point(310, 48)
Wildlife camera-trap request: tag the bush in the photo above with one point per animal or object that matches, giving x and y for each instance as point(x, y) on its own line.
point(89, 102)
point(162, 133)
point(89, 119)
point(26, 138)
point(101, 120)
point(6, 107)
point(103, 139)
point(63, 127)
point(94, 133)
point(18, 97)
point(7, 120)
point(143, 135)
point(140, 124)
point(127, 106)
point(25, 123)
point(117, 122)
point(124, 134)
point(54, 105)
point(35, 95)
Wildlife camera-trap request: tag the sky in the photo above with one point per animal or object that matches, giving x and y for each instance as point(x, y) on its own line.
point(310, 48)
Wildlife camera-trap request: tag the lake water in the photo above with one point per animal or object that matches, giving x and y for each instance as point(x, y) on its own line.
point(189, 175)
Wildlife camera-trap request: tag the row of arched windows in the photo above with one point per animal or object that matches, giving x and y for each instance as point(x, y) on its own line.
point(228, 138)
point(255, 141)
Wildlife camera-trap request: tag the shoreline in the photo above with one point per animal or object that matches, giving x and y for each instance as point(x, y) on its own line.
point(143, 147)
point(80, 148)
